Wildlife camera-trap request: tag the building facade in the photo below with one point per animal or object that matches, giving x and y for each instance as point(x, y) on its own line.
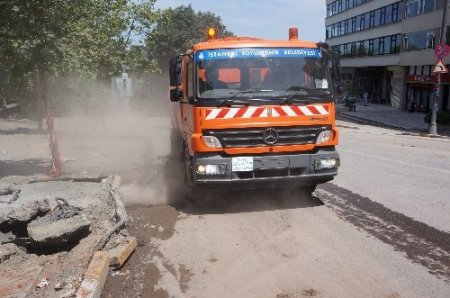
point(386, 49)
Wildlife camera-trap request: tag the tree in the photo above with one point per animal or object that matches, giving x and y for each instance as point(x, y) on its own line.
point(41, 39)
point(178, 29)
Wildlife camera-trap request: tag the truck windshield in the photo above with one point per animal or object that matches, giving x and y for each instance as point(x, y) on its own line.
point(256, 73)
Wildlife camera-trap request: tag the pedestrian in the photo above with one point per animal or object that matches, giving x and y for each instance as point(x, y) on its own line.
point(345, 98)
point(365, 98)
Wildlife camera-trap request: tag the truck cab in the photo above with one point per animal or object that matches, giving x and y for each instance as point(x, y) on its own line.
point(251, 113)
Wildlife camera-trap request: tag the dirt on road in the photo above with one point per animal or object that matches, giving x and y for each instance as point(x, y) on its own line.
point(275, 243)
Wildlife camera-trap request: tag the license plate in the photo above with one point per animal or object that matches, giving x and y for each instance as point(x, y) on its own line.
point(242, 164)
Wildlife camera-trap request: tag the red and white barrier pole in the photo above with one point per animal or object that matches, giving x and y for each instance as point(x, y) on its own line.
point(55, 170)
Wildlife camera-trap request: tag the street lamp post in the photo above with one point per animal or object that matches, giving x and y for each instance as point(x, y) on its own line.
point(432, 128)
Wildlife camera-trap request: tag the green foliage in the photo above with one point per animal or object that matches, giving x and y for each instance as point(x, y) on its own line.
point(43, 41)
point(442, 117)
point(59, 37)
point(177, 29)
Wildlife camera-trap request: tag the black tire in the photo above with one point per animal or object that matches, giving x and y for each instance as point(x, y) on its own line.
point(175, 145)
point(310, 189)
point(307, 191)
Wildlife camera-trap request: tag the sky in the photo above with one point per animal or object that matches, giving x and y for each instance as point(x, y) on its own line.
point(264, 18)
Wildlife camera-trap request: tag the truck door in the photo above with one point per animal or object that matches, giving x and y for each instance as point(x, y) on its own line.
point(186, 107)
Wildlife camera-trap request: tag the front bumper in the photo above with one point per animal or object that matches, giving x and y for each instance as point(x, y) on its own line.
point(268, 171)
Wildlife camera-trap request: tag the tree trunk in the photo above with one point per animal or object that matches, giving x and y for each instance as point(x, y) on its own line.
point(40, 79)
point(38, 98)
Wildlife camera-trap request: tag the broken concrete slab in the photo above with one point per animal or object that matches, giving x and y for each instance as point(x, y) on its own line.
point(101, 204)
point(25, 213)
point(48, 231)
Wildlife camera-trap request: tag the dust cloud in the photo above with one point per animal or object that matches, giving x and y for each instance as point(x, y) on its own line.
point(102, 131)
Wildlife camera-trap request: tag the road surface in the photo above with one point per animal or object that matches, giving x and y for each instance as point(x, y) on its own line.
point(380, 229)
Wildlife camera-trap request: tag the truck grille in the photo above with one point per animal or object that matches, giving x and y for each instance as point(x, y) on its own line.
point(257, 137)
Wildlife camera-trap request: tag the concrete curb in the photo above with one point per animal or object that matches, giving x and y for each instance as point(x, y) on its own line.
point(95, 276)
point(97, 272)
point(119, 255)
point(121, 213)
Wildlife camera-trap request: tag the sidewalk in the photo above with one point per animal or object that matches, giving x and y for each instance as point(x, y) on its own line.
point(387, 116)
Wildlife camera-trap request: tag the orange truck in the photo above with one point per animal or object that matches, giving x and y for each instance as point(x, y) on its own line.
point(252, 113)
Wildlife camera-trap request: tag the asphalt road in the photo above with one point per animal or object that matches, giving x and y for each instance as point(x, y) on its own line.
point(380, 229)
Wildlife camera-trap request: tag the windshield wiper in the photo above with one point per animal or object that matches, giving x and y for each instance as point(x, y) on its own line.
point(227, 102)
point(293, 98)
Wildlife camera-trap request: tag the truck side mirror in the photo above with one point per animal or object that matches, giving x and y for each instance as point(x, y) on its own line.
point(175, 71)
point(176, 94)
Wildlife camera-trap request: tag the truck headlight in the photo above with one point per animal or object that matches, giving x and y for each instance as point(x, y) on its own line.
point(326, 163)
point(211, 142)
point(218, 169)
point(324, 137)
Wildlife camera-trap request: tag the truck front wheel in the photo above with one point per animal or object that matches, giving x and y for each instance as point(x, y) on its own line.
point(186, 167)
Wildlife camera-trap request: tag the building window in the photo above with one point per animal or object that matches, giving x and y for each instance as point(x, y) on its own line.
point(370, 47)
point(361, 48)
point(387, 45)
point(377, 17)
point(395, 43)
point(361, 22)
point(347, 4)
point(353, 49)
point(346, 29)
point(431, 39)
point(429, 6)
point(346, 50)
point(416, 41)
point(397, 11)
point(372, 19)
point(418, 7)
point(412, 8)
point(339, 6)
point(366, 48)
point(380, 43)
point(354, 24)
point(366, 21)
point(388, 17)
point(384, 15)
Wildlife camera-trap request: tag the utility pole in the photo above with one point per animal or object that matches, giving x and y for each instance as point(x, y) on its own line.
point(432, 128)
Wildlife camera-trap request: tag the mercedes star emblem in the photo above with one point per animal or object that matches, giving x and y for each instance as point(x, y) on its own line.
point(270, 136)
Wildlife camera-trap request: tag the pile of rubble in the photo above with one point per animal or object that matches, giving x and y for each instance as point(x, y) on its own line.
point(50, 229)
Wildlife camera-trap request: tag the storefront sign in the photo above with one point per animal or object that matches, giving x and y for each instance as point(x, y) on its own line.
point(426, 79)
